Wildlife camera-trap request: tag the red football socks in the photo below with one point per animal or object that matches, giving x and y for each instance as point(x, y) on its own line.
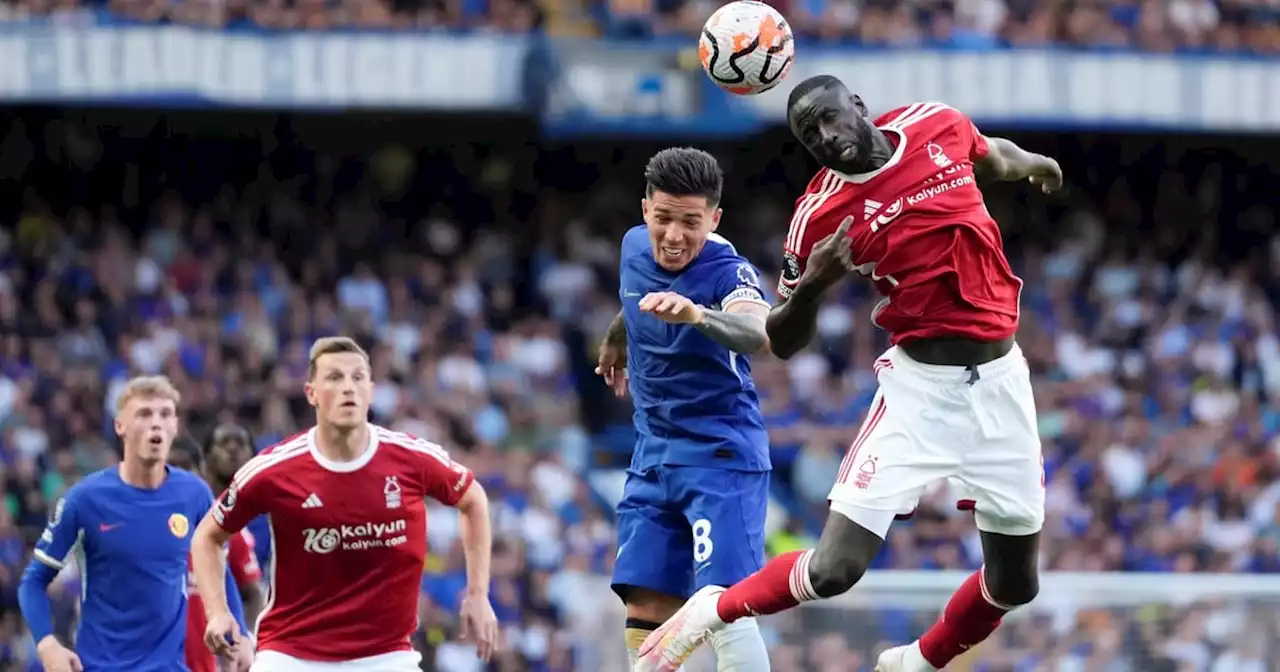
point(780, 585)
point(969, 617)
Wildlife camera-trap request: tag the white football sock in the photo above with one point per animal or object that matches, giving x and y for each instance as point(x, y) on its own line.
point(740, 647)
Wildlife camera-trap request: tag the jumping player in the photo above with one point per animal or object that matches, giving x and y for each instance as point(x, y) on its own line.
point(345, 502)
point(216, 462)
point(693, 507)
point(896, 200)
point(130, 528)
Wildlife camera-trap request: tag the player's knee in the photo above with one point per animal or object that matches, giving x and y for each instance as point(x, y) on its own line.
point(843, 555)
point(1011, 571)
point(648, 605)
point(834, 573)
point(1013, 589)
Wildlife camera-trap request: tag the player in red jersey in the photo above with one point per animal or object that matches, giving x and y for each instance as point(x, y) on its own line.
point(345, 502)
point(227, 449)
point(897, 200)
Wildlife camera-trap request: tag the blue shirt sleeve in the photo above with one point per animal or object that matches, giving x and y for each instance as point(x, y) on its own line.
point(63, 532)
point(56, 542)
point(737, 280)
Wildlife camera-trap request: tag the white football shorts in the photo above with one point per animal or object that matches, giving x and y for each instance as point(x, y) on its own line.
point(397, 661)
point(973, 427)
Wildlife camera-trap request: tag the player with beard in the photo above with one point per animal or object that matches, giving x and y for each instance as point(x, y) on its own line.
point(346, 505)
point(216, 462)
point(897, 200)
point(131, 528)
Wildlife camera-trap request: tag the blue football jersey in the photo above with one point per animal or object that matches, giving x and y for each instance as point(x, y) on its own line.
point(695, 402)
point(131, 547)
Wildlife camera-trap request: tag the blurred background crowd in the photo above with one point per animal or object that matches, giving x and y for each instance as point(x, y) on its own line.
point(480, 272)
point(1250, 26)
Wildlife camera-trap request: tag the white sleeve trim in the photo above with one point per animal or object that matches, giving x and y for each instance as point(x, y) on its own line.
point(48, 559)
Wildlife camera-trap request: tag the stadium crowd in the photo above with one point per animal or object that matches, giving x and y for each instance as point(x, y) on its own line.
point(479, 276)
point(1251, 26)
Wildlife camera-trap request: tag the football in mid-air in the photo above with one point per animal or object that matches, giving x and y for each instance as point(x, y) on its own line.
point(746, 47)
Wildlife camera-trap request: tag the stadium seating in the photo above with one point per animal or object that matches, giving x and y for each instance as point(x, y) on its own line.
point(1251, 26)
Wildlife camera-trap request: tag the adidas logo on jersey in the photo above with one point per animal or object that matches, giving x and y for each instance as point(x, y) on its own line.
point(312, 502)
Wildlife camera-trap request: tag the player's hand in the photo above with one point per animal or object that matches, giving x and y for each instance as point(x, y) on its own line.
point(241, 658)
point(611, 364)
point(57, 658)
point(1047, 176)
point(222, 635)
point(479, 625)
point(832, 257)
point(671, 307)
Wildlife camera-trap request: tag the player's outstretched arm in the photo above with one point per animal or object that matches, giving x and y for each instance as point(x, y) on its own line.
point(740, 327)
point(792, 324)
point(1008, 162)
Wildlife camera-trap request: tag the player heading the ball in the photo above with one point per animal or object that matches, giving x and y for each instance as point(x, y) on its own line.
point(346, 501)
point(897, 201)
point(693, 506)
point(131, 525)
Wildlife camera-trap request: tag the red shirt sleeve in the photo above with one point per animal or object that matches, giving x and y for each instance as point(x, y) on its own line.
point(978, 148)
point(443, 479)
point(246, 498)
point(241, 560)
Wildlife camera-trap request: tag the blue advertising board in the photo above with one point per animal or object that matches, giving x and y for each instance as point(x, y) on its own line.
point(585, 87)
point(174, 65)
point(660, 93)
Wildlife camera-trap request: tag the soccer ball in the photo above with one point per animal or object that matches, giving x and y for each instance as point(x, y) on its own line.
point(746, 47)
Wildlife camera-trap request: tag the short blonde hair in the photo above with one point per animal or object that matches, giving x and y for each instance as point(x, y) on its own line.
point(147, 386)
point(332, 345)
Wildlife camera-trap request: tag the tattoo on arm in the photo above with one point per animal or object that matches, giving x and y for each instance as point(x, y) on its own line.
point(617, 332)
point(740, 332)
point(791, 325)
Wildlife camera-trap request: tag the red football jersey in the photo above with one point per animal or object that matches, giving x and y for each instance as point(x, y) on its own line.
point(921, 231)
point(348, 540)
point(245, 570)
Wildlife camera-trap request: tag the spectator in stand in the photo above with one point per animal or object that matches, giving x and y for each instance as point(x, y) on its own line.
point(1251, 26)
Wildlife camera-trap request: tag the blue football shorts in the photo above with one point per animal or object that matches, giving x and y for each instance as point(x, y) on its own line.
point(683, 527)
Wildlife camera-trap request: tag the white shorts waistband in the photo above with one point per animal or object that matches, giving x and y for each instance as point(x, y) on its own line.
point(1010, 363)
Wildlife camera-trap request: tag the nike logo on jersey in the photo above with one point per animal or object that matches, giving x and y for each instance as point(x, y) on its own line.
point(107, 527)
point(878, 215)
point(626, 293)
